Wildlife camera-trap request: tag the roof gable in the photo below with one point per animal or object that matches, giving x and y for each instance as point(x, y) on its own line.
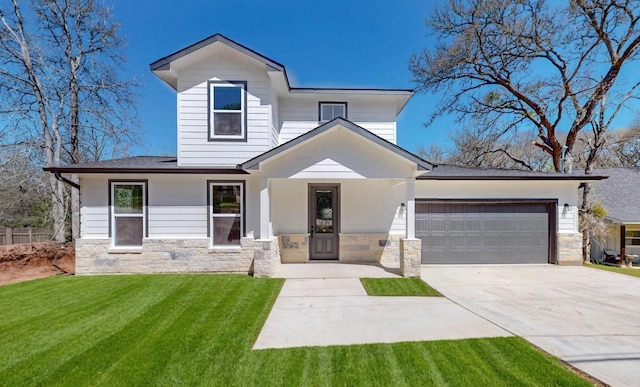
point(166, 67)
point(350, 127)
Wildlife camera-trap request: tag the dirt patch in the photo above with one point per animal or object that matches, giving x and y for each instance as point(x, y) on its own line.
point(35, 260)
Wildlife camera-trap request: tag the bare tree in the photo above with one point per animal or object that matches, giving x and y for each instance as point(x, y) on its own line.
point(59, 64)
point(551, 67)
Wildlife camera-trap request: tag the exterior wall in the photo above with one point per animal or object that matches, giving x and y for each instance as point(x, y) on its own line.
point(294, 248)
point(379, 248)
point(193, 145)
point(563, 191)
point(366, 206)
point(177, 207)
point(300, 115)
point(570, 249)
point(95, 256)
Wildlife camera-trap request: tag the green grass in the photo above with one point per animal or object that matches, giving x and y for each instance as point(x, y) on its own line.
point(398, 287)
point(621, 270)
point(199, 329)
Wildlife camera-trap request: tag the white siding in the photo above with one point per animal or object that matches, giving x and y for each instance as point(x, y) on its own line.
point(300, 115)
point(563, 191)
point(338, 154)
point(94, 213)
point(177, 206)
point(193, 145)
point(366, 206)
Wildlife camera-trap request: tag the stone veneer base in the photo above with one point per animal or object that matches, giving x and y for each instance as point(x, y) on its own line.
point(96, 256)
point(410, 257)
point(379, 248)
point(294, 248)
point(569, 249)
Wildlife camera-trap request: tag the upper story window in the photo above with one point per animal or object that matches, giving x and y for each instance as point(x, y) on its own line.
point(331, 110)
point(228, 111)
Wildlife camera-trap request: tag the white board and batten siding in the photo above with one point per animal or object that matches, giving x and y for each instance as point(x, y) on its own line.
point(177, 206)
point(194, 148)
point(563, 191)
point(300, 115)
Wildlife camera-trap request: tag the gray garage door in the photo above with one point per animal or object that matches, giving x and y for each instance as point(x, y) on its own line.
point(455, 233)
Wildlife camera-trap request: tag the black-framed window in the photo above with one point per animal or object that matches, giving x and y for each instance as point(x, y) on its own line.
point(227, 110)
point(632, 237)
point(226, 212)
point(127, 212)
point(327, 111)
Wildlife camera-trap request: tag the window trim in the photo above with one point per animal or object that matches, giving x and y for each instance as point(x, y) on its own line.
point(210, 111)
point(243, 211)
point(628, 240)
point(145, 209)
point(321, 103)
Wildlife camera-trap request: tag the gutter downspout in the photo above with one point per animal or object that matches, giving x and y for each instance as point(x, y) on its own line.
point(63, 179)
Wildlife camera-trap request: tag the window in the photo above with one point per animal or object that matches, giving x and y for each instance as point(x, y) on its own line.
point(331, 110)
point(227, 110)
point(226, 206)
point(632, 238)
point(128, 212)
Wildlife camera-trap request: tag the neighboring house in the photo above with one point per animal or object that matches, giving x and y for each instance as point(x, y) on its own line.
point(267, 173)
point(620, 197)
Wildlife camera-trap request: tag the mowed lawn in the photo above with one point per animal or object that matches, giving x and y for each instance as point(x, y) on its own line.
point(199, 329)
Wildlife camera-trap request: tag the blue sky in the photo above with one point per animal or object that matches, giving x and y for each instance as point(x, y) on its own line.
point(321, 43)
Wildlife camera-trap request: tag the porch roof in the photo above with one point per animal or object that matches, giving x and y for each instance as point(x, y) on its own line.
point(254, 163)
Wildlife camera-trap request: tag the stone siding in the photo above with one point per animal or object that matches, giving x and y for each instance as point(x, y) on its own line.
point(381, 248)
point(96, 256)
point(267, 257)
point(410, 254)
point(294, 248)
point(570, 249)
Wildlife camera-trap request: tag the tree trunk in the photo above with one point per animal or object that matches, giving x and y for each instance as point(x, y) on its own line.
point(586, 239)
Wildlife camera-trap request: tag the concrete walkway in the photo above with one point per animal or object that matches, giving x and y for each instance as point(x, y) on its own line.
point(333, 310)
point(587, 317)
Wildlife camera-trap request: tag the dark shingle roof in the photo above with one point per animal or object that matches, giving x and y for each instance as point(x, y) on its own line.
point(140, 164)
point(454, 172)
point(620, 193)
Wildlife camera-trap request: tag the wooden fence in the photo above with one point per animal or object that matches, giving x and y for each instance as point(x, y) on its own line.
point(14, 236)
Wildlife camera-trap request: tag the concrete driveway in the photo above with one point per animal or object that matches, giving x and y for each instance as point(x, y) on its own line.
point(587, 317)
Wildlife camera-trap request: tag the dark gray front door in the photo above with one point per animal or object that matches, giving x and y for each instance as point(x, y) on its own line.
point(455, 233)
point(323, 221)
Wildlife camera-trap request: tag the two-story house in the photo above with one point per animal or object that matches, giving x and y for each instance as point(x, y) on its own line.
point(267, 173)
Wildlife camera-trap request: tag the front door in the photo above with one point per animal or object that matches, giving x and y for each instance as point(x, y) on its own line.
point(324, 221)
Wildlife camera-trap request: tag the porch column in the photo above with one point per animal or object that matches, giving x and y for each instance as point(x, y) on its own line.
point(411, 208)
point(623, 245)
point(265, 208)
point(410, 246)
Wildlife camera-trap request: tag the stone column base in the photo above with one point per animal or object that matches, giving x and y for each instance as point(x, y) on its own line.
point(266, 257)
point(410, 257)
point(570, 249)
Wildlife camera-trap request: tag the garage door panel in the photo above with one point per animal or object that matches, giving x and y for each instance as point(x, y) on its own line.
point(459, 233)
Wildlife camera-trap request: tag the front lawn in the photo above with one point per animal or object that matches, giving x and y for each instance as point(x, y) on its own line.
point(615, 269)
point(398, 287)
point(199, 329)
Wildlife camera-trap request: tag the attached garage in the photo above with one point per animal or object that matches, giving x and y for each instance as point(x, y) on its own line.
point(486, 231)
